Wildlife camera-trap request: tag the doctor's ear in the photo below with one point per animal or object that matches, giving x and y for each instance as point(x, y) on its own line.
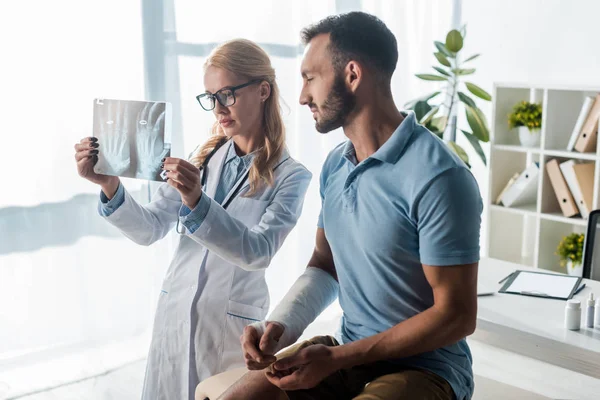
point(265, 91)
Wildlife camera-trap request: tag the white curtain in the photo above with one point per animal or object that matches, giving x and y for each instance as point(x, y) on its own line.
point(69, 283)
point(72, 289)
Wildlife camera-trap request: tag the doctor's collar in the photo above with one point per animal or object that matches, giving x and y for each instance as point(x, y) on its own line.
point(232, 154)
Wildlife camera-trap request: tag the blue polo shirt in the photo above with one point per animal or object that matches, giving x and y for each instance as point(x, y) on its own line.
point(412, 202)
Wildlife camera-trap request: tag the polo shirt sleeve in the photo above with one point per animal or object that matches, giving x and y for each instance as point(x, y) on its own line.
point(325, 172)
point(322, 183)
point(448, 212)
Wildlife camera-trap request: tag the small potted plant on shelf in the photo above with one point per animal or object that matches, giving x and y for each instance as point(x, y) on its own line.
point(527, 118)
point(570, 251)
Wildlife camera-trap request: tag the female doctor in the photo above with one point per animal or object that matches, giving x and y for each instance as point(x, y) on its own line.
point(232, 217)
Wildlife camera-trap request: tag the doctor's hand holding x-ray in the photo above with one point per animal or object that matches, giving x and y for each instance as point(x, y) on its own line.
point(86, 156)
point(185, 178)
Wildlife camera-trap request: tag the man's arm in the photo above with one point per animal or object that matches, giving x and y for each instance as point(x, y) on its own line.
point(312, 292)
point(322, 257)
point(451, 318)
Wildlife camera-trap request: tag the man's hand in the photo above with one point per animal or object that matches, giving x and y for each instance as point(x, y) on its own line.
point(185, 178)
point(303, 370)
point(259, 350)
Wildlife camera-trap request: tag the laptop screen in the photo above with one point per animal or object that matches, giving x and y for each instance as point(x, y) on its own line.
point(591, 257)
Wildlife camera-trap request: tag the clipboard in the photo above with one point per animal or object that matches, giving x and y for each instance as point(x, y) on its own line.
point(541, 284)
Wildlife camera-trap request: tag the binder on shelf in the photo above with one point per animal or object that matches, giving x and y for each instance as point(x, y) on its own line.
point(585, 110)
point(589, 132)
point(561, 189)
point(572, 175)
point(508, 184)
point(524, 190)
point(584, 176)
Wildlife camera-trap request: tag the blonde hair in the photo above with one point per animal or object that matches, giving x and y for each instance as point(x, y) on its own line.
point(246, 59)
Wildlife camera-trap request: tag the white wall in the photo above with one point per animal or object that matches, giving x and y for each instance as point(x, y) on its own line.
point(546, 41)
point(551, 42)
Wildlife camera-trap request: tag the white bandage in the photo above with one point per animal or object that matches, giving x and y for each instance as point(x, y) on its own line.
point(312, 292)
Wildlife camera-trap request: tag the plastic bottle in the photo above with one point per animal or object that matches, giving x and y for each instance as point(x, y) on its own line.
point(573, 314)
point(589, 315)
point(597, 313)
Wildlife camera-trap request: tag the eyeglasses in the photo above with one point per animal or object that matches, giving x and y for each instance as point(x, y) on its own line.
point(225, 96)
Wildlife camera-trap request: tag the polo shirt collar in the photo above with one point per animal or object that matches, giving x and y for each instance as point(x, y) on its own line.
point(392, 149)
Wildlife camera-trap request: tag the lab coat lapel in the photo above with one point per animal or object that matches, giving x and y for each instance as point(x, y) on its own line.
point(233, 189)
point(214, 168)
point(284, 156)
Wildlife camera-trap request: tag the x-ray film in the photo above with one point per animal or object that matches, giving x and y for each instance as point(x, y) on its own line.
point(134, 137)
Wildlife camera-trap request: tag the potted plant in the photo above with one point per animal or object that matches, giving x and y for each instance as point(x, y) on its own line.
point(527, 118)
point(438, 111)
point(570, 251)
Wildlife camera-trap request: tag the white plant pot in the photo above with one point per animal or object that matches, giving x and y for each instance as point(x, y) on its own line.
point(574, 269)
point(529, 138)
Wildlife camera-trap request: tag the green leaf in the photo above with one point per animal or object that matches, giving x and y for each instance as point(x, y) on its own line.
point(439, 123)
point(431, 77)
point(411, 104)
point(429, 116)
point(476, 145)
point(472, 58)
point(466, 99)
point(442, 59)
point(441, 71)
point(433, 129)
point(459, 152)
point(442, 49)
point(421, 108)
point(477, 91)
point(454, 41)
point(478, 123)
point(461, 71)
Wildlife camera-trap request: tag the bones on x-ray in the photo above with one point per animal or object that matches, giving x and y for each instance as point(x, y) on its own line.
point(134, 137)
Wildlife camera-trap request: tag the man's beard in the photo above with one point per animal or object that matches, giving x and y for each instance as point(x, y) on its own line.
point(339, 104)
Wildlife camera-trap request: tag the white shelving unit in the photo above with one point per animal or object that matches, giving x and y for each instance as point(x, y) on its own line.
point(529, 234)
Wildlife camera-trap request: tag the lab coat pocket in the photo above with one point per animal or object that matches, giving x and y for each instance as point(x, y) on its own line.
point(238, 316)
point(245, 311)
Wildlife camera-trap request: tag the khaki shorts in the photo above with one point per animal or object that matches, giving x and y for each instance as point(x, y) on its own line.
point(376, 381)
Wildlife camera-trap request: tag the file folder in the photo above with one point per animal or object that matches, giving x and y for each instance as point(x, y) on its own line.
point(561, 189)
point(524, 190)
point(588, 137)
point(584, 177)
point(568, 171)
point(588, 102)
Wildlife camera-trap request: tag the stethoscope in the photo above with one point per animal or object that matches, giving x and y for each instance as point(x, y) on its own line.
point(204, 178)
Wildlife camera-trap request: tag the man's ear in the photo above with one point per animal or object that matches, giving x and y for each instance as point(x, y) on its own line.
point(265, 91)
point(354, 74)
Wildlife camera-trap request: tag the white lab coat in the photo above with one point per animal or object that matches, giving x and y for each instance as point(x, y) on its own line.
point(215, 284)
